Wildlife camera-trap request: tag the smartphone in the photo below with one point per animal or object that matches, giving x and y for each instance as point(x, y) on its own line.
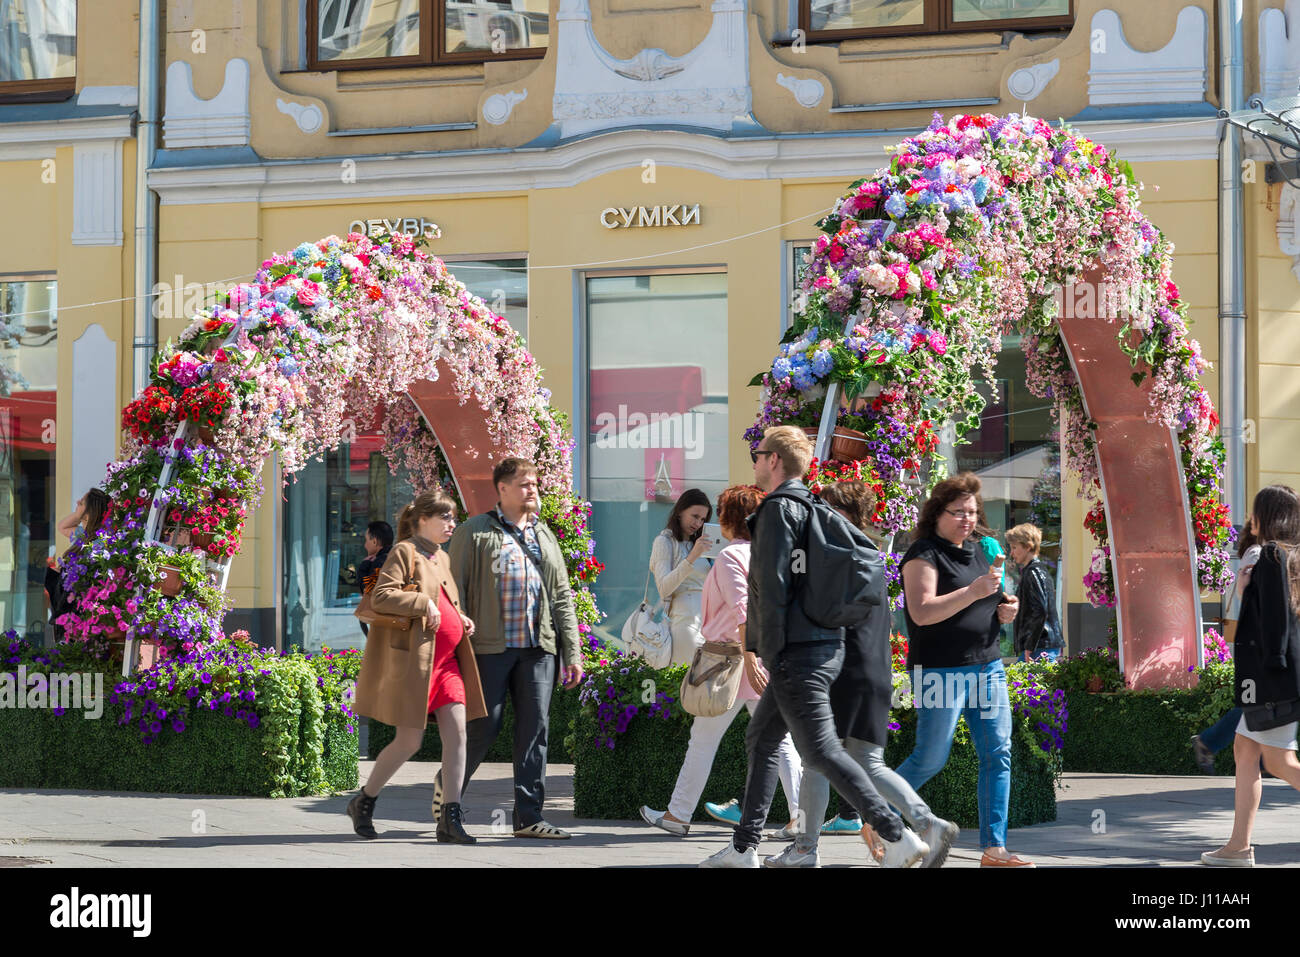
point(714, 531)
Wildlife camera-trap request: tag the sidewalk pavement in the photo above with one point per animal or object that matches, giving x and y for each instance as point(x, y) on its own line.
point(1103, 820)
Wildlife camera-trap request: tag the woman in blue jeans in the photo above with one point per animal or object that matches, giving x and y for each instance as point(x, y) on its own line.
point(955, 610)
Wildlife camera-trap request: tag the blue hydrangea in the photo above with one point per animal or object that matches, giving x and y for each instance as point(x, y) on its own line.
point(305, 252)
point(822, 363)
point(980, 188)
point(781, 368)
point(896, 205)
point(803, 378)
point(289, 366)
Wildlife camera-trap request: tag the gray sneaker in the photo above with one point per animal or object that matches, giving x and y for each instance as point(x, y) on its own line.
point(794, 856)
point(940, 836)
point(787, 833)
point(659, 819)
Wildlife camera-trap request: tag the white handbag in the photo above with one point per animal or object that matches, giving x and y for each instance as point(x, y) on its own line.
point(647, 633)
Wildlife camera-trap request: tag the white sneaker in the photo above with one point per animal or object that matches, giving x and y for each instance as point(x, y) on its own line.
point(907, 851)
point(787, 833)
point(940, 835)
point(659, 819)
point(792, 856)
point(730, 857)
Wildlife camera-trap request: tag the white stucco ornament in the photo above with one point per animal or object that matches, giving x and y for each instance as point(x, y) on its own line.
point(1121, 75)
point(1025, 84)
point(707, 87)
point(308, 116)
point(498, 107)
point(807, 92)
point(223, 120)
point(1279, 51)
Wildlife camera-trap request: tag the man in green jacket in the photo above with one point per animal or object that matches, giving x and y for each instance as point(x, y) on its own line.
point(515, 587)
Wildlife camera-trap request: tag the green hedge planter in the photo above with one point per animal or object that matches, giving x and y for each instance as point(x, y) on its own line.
point(642, 769)
point(302, 744)
point(1137, 733)
point(564, 708)
point(214, 755)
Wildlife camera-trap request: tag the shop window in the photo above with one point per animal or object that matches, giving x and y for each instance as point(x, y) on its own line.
point(350, 34)
point(656, 410)
point(326, 512)
point(29, 355)
point(501, 283)
point(832, 20)
point(38, 49)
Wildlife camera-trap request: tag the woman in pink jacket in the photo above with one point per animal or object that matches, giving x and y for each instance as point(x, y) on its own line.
point(726, 597)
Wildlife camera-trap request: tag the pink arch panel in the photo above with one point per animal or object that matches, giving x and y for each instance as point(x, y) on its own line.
point(1153, 552)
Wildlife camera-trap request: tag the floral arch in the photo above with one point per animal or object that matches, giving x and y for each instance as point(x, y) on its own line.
point(368, 329)
point(979, 227)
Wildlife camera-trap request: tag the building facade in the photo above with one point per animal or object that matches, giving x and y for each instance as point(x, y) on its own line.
point(630, 182)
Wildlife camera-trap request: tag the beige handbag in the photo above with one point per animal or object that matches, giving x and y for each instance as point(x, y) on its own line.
point(713, 681)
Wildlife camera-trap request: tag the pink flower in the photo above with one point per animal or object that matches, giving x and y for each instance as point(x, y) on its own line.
point(938, 342)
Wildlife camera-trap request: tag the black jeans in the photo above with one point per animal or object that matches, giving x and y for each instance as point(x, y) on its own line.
point(797, 699)
point(528, 676)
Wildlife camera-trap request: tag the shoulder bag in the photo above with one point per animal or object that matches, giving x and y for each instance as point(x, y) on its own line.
point(712, 684)
point(399, 627)
point(647, 632)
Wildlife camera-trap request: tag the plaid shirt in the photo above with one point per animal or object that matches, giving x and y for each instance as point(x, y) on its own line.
point(520, 584)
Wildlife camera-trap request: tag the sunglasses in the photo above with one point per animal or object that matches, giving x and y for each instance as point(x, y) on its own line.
point(753, 456)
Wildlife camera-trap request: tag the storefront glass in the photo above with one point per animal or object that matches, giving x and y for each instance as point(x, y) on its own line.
point(657, 414)
point(501, 283)
point(29, 351)
point(326, 514)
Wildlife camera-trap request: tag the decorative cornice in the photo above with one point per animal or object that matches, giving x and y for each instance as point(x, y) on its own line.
point(838, 156)
point(40, 138)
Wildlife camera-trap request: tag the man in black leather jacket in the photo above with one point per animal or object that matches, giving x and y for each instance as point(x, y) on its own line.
point(1038, 628)
point(803, 659)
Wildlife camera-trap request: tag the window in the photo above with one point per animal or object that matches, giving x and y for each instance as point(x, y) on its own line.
point(327, 510)
point(501, 283)
point(30, 356)
point(38, 49)
point(657, 413)
point(845, 19)
point(793, 255)
point(364, 34)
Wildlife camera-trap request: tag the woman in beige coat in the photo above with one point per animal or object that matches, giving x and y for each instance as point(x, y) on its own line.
point(408, 674)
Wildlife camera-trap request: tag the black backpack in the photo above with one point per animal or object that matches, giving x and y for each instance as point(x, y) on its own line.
point(844, 573)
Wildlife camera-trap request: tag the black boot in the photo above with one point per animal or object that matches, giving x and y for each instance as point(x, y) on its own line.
point(361, 809)
point(451, 827)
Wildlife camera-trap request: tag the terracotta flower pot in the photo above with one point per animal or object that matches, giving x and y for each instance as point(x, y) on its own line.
point(847, 445)
point(200, 540)
point(171, 581)
point(205, 435)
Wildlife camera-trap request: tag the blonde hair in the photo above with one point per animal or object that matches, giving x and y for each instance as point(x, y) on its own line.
point(792, 446)
point(1030, 536)
point(426, 505)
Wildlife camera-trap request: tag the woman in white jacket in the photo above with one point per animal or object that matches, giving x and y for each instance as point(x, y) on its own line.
point(679, 568)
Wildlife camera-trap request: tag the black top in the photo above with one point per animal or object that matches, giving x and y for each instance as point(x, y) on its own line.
point(1266, 657)
point(969, 637)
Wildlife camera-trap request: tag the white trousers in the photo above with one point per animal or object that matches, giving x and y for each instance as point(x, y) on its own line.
point(706, 735)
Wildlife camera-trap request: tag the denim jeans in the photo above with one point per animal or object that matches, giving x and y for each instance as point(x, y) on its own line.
point(1220, 734)
point(979, 694)
point(814, 793)
point(797, 699)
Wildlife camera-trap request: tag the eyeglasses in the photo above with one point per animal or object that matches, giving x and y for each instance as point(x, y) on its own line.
point(753, 456)
point(960, 515)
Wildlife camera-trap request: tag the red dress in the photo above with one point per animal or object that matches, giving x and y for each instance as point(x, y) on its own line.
point(445, 683)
